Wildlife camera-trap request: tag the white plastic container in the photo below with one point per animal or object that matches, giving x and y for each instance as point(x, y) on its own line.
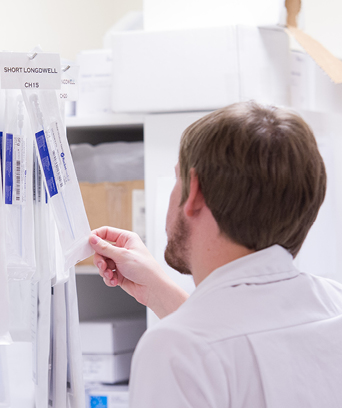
point(199, 69)
point(311, 87)
point(182, 14)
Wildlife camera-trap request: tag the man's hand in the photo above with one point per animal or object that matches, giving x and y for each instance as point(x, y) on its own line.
point(124, 260)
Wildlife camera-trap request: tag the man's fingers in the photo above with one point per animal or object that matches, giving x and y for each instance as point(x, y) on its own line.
point(111, 278)
point(112, 234)
point(103, 263)
point(105, 249)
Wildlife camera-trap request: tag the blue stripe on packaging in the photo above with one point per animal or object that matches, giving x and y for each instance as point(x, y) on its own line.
point(9, 169)
point(46, 163)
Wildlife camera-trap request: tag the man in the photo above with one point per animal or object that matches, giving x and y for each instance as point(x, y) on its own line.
point(256, 332)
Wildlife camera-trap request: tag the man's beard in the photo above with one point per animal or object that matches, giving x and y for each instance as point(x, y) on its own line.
point(176, 252)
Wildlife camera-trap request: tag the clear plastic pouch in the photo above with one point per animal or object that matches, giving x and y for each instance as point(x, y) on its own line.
point(58, 349)
point(4, 386)
point(17, 188)
point(75, 385)
point(59, 175)
point(2, 120)
point(20, 310)
point(41, 344)
point(44, 228)
point(5, 337)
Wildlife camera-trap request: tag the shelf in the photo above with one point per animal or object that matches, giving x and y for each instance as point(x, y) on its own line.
point(86, 270)
point(105, 120)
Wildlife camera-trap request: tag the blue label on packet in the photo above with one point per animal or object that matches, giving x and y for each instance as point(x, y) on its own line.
point(9, 169)
point(46, 163)
point(98, 402)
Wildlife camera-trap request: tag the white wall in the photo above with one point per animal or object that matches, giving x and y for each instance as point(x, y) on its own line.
point(70, 26)
point(323, 21)
point(63, 26)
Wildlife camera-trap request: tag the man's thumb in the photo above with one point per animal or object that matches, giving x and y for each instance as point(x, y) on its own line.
point(103, 247)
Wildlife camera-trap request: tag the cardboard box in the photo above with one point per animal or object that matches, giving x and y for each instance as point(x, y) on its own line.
point(107, 368)
point(311, 88)
point(201, 69)
point(106, 396)
point(111, 204)
point(183, 14)
point(115, 336)
point(107, 348)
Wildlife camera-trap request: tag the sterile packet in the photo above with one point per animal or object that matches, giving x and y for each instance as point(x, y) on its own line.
point(17, 187)
point(75, 384)
point(20, 310)
point(58, 349)
point(41, 344)
point(2, 120)
point(4, 386)
point(44, 228)
point(5, 337)
point(59, 175)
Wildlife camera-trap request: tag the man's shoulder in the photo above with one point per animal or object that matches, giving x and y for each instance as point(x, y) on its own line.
point(241, 310)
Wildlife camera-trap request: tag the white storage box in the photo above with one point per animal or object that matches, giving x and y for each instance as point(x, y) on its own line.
point(107, 368)
point(111, 336)
point(200, 69)
point(95, 80)
point(104, 396)
point(182, 14)
point(311, 87)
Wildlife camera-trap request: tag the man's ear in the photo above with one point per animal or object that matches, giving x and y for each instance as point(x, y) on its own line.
point(195, 200)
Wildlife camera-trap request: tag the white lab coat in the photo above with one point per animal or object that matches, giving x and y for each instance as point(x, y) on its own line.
point(255, 333)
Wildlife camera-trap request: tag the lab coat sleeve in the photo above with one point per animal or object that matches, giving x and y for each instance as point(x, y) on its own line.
point(176, 369)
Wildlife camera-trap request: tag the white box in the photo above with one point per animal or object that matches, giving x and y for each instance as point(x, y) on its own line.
point(311, 87)
point(182, 14)
point(95, 81)
point(202, 69)
point(111, 336)
point(107, 368)
point(104, 396)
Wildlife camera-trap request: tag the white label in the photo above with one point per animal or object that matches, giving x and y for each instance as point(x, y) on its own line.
point(58, 157)
point(19, 170)
point(69, 84)
point(25, 71)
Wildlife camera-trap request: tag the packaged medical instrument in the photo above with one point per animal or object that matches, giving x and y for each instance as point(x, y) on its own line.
point(59, 175)
point(5, 337)
point(4, 388)
point(68, 94)
point(58, 349)
point(75, 385)
point(41, 342)
point(2, 120)
point(44, 227)
point(20, 310)
point(17, 188)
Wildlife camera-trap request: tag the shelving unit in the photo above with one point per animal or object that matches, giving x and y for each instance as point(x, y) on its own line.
point(96, 300)
point(110, 120)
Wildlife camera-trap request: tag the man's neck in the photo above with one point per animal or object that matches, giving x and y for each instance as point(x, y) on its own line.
point(209, 255)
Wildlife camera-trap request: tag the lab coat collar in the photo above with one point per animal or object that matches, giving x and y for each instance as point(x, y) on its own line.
point(266, 266)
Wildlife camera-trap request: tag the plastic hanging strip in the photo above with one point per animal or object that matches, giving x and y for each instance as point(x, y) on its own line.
point(5, 337)
point(59, 175)
point(17, 184)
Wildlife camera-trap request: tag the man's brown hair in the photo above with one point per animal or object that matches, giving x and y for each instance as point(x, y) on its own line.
point(260, 173)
